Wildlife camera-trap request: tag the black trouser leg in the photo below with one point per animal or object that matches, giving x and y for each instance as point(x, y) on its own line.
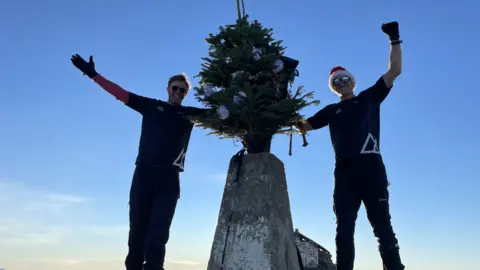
point(346, 202)
point(159, 232)
point(141, 196)
point(376, 200)
point(163, 210)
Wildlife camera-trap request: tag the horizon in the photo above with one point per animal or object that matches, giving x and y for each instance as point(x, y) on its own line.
point(69, 148)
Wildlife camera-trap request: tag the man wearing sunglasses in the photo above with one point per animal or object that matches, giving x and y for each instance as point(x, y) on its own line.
point(155, 186)
point(360, 174)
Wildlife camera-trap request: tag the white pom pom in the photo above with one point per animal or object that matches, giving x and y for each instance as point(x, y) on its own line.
point(237, 74)
point(237, 98)
point(208, 89)
point(278, 65)
point(257, 54)
point(223, 112)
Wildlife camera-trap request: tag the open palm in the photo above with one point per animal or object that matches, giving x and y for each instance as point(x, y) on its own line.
point(87, 68)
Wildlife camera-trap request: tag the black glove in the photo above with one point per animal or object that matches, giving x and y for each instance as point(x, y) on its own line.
point(391, 29)
point(88, 68)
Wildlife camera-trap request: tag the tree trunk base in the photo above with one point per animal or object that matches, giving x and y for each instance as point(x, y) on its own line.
point(258, 145)
point(254, 229)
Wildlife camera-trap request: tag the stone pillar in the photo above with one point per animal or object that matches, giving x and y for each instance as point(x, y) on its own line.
point(254, 229)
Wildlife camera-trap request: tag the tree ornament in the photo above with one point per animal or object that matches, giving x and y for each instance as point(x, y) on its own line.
point(223, 112)
point(237, 98)
point(208, 89)
point(257, 54)
point(278, 65)
point(237, 74)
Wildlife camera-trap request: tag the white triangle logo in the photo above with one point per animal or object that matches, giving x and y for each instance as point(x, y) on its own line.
point(180, 160)
point(370, 146)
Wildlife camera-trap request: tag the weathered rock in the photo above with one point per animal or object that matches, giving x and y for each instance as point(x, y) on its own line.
point(313, 255)
point(254, 229)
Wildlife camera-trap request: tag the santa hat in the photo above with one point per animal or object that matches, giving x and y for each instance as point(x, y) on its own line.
point(340, 71)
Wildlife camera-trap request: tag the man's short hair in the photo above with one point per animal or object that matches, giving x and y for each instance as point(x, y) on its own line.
point(180, 77)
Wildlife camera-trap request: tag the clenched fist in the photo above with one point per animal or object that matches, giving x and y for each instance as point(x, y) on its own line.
point(391, 29)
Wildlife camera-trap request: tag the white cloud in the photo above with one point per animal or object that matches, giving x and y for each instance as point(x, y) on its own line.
point(106, 259)
point(23, 233)
point(29, 216)
point(112, 230)
point(50, 230)
point(70, 261)
point(62, 198)
point(183, 262)
point(21, 197)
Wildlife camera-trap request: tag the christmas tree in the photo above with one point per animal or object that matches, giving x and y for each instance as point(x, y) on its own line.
point(245, 84)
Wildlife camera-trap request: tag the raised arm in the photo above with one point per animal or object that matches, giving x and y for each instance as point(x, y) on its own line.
point(132, 100)
point(114, 89)
point(395, 63)
point(88, 68)
point(380, 90)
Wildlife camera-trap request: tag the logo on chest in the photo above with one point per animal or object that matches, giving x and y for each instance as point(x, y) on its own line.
point(160, 108)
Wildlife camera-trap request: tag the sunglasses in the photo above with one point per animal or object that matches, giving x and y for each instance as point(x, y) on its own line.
point(180, 89)
point(341, 80)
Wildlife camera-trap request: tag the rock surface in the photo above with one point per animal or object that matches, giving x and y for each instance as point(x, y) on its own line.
point(254, 229)
point(313, 255)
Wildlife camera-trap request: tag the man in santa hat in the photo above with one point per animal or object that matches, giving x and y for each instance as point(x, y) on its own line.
point(360, 175)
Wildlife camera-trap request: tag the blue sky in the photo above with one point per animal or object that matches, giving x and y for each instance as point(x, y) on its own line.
point(68, 148)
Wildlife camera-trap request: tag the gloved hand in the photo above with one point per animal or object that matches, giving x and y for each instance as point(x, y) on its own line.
point(299, 126)
point(88, 68)
point(391, 29)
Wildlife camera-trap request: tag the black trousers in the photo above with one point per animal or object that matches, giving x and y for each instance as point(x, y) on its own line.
point(357, 180)
point(153, 199)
